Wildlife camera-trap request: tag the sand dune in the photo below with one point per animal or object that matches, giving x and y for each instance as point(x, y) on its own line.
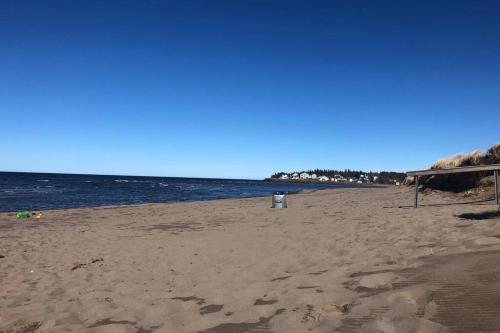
point(350, 260)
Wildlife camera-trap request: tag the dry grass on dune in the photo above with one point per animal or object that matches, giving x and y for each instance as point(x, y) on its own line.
point(463, 159)
point(462, 181)
point(492, 156)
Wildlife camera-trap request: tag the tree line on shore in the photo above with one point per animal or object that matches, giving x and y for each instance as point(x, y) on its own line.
point(383, 177)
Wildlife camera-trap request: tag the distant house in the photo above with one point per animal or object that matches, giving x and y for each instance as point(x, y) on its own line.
point(323, 178)
point(375, 178)
point(305, 175)
point(295, 175)
point(360, 182)
point(314, 176)
point(284, 177)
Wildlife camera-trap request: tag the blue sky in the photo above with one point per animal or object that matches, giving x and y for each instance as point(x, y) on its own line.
point(242, 89)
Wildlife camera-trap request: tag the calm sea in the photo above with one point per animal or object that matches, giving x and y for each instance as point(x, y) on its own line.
point(40, 191)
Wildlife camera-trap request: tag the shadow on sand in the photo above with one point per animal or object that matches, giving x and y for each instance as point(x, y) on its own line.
point(480, 216)
point(484, 202)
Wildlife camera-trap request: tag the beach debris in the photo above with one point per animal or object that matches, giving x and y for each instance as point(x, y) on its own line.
point(93, 261)
point(2, 256)
point(23, 215)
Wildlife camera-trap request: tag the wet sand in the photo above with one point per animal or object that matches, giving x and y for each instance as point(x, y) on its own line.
point(346, 260)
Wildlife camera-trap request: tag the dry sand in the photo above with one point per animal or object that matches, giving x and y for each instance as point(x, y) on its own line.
point(350, 260)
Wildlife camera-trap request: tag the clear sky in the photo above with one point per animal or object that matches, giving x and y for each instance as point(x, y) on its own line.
point(242, 89)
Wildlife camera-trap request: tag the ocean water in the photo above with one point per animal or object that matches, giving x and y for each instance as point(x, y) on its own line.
point(41, 191)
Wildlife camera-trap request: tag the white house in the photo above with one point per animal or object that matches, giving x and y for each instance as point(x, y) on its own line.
point(284, 177)
point(295, 175)
point(314, 176)
point(305, 175)
point(323, 178)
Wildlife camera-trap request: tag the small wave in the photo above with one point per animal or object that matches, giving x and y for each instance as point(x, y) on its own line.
point(163, 184)
point(88, 181)
point(121, 180)
point(42, 180)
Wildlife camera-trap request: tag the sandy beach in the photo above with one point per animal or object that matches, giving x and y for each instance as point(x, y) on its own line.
point(347, 260)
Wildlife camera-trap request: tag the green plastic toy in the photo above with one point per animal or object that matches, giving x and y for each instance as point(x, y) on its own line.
point(23, 215)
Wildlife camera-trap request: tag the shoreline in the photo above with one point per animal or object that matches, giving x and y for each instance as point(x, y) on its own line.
point(303, 191)
point(30, 192)
point(330, 261)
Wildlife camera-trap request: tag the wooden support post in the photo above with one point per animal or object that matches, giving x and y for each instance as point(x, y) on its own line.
point(416, 192)
point(495, 173)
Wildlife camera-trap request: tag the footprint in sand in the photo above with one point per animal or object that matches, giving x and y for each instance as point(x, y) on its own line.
point(260, 326)
point(261, 301)
point(211, 308)
point(486, 241)
point(109, 325)
point(317, 288)
point(280, 278)
point(198, 300)
point(371, 283)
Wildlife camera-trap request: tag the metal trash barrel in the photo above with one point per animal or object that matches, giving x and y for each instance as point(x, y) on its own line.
point(279, 200)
